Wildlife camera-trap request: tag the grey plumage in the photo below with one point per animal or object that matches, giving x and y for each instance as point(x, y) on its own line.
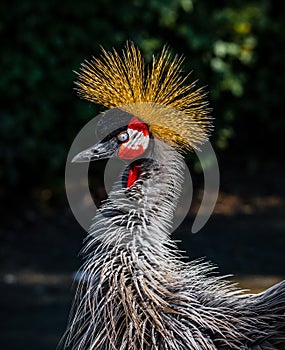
point(137, 293)
point(135, 290)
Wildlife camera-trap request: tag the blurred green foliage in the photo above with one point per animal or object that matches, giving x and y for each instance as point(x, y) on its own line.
point(234, 48)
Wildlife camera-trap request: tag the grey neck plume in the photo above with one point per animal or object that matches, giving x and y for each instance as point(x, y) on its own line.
point(129, 242)
point(136, 293)
point(141, 215)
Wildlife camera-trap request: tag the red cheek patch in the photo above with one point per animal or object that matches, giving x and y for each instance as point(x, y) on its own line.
point(138, 140)
point(136, 124)
point(129, 153)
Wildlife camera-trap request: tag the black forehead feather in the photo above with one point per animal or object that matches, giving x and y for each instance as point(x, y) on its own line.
point(111, 122)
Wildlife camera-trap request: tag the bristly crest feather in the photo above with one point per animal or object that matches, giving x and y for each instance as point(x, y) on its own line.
point(156, 93)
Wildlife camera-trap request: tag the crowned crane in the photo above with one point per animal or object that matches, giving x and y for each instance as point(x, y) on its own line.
point(135, 291)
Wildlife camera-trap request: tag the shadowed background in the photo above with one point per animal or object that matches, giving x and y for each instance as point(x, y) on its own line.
point(236, 51)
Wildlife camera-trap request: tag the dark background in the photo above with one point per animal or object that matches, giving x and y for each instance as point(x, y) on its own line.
point(236, 51)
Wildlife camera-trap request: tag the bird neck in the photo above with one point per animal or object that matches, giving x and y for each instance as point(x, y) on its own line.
point(141, 205)
point(129, 241)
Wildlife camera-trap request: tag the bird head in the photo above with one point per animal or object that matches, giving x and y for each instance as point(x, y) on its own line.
point(144, 101)
point(121, 135)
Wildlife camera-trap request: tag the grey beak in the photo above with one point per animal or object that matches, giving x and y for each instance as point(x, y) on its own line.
point(100, 150)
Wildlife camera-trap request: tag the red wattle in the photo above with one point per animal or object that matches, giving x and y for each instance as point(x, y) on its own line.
point(134, 174)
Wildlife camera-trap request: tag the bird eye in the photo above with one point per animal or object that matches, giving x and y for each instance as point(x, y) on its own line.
point(123, 136)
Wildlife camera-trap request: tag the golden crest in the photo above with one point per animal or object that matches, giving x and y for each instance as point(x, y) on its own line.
point(157, 93)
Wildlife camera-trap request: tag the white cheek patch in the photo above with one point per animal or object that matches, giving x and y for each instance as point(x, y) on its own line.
point(137, 139)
